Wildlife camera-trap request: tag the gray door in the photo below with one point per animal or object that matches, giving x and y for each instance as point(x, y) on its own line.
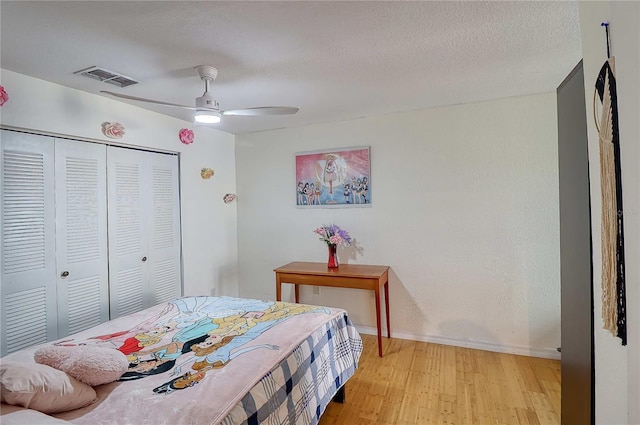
point(576, 269)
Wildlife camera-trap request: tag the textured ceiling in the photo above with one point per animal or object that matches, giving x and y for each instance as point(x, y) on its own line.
point(335, 60)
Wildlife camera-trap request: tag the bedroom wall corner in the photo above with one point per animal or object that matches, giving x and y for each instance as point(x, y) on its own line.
point(209, 226)
point(465, 211)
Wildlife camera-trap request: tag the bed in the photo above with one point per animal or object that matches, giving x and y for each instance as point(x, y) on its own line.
point(216, 360)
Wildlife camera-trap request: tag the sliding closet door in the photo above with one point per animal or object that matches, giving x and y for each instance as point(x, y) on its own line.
point(164, 230)
point(144, 232)
point(28, 290)
point(89, 233)
point(127, 231)
point(81, 235)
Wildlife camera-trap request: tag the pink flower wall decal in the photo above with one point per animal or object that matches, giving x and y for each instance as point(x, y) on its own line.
point(113, 130)
point(229, 197)
point(4, 97)
point(186, 136)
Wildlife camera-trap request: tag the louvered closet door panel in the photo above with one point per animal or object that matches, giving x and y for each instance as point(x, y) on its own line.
point(127, 206)
point(164, 229)
point(81, 235)
point(28, 241)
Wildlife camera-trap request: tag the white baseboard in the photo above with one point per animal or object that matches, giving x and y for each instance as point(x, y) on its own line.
point(522, 350)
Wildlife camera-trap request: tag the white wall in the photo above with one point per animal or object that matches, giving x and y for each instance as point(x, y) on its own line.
point(617, 368)
point(208, 225)
point(465, 211)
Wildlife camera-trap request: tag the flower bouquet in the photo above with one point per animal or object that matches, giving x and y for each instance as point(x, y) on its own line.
point(333, 236)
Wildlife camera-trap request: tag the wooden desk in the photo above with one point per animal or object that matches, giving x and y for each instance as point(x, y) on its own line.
point(346, 276)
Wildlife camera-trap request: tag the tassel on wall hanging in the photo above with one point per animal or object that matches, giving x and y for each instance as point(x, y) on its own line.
point(614, 313)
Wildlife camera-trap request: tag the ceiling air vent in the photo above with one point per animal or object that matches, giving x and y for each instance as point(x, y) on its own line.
point(107, 76)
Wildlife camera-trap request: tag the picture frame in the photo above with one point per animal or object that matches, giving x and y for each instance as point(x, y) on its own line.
point(333, 178)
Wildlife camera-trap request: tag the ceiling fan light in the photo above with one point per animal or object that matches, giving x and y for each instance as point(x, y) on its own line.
point(207, 117)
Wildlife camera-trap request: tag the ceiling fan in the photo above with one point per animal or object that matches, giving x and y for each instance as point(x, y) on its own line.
point(207, 110)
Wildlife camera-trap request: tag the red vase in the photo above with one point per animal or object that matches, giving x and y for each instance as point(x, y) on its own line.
point(333, 257)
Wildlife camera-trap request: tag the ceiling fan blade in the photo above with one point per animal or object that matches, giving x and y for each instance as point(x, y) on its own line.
point(156, 102)
point(262, 110)
point(259, 110)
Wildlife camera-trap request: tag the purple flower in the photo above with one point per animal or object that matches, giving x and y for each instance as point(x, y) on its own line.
point(344, 235)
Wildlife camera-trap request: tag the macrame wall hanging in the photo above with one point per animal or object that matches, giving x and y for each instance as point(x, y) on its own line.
point(614, 312)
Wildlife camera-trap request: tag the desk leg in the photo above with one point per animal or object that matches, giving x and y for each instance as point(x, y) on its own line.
point(278, 288)
point(377, 290)
point(386, 304)
point(297, 290)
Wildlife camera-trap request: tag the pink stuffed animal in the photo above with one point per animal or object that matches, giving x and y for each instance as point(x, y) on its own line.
point(91, 365)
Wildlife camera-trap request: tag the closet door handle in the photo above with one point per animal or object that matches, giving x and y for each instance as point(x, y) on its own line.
point(64, 274)
point(144, 259)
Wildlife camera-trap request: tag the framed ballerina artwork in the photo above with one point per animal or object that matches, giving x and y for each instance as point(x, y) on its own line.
point(335, 178)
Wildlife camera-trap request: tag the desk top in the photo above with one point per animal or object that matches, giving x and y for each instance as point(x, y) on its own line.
point(346, 270)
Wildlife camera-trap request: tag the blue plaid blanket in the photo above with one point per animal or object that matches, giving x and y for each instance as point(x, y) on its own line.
point(298, 390)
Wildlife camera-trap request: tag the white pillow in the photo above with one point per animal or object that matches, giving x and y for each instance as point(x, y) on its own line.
point(43, 388)
point(32, 377)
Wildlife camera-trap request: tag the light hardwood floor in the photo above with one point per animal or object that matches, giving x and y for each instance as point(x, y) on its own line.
point(423, 383)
